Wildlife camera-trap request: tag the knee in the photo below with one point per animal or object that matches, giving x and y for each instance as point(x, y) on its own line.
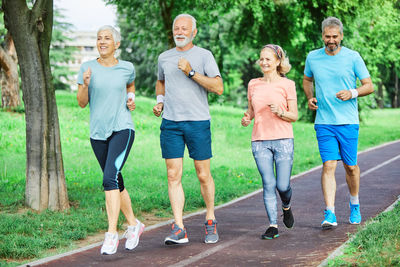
point(110, 184)
point(352, 170)
point(174, 176)
point(330, 166)
point(204, 177)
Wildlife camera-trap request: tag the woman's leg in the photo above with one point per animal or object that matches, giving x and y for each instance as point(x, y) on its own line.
point(283, 157)
point(119, 147)
point(263, 156)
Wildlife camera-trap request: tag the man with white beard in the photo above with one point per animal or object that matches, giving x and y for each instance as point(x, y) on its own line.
point(186, 74)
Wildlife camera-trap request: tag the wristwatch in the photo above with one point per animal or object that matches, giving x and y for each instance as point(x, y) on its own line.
point(191, 73)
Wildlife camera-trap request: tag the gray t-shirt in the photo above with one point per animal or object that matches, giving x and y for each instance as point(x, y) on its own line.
point(107, 97)
point(185, 100)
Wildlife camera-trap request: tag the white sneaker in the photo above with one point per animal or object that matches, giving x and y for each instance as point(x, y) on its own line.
point(132, 235)
point(110, 244)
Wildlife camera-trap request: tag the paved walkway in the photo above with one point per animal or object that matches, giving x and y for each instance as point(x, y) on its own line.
point(242, 223)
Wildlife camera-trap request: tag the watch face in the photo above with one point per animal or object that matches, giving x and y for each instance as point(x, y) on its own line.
point(191, 73)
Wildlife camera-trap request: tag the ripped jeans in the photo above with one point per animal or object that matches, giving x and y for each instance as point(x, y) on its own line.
point(278, 153)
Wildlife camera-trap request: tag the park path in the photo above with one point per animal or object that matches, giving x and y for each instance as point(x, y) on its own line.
point(242, 222)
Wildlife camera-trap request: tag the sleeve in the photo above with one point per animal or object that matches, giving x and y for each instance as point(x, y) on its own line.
point(360, 69)
point(307, 68)
point(82, 69)
point(291, 91)
point(210, 66)
point(133, 74)
point(161, 76)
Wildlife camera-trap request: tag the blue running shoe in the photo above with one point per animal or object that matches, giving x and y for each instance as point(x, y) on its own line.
point(355, 214)
point(329, 221)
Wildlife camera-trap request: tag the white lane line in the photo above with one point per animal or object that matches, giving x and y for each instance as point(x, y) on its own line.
point(208, 252)
point(372, 169)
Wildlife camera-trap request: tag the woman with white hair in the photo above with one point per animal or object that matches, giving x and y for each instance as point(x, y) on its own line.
point(107, 83)
point(273, 105)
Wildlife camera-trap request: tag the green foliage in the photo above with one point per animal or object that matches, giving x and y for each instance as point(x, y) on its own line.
point(377, 244)
point(233, 169)
point(60, 54)
point(235, 31)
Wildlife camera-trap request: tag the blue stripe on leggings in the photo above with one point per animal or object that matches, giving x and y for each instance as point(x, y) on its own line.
point(120, 159)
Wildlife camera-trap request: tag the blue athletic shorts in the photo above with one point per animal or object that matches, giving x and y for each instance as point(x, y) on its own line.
point(195, 134)
point(338, 142)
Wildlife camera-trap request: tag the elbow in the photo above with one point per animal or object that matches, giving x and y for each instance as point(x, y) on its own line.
point(219, 89)
point(81, 103)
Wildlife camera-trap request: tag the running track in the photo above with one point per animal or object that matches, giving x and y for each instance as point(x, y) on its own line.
point(242, 222)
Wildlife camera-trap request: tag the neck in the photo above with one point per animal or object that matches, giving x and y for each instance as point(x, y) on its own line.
point(185, 48)
point(271, 76)
point(107, 61)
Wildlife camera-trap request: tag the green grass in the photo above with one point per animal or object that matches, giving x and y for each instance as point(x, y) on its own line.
point(377, 244)
point(27, 235)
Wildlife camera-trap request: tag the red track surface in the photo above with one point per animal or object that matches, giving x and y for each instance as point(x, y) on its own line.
point(242, 223)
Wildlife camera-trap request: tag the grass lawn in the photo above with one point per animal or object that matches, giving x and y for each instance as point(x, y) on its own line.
point(26, 235)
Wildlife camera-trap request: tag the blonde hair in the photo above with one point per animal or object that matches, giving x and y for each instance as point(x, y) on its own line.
point(284, 65)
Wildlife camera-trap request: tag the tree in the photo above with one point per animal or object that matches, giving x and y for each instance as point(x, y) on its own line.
point(31, 29)
point(10, 97)
point(9, 79)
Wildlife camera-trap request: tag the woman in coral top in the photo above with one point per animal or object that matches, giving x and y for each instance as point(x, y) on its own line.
point(273, 105)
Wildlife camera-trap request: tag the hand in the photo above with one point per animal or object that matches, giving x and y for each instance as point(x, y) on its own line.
point(246, 120)
point(184, 66)
point(131, 104)
point(86, 77)
point(312, 103)
point(157, 109)
point(275, 109)
point(344, 95)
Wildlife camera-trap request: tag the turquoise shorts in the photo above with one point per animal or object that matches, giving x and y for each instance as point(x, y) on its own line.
point(338, 142)
point(196, 135)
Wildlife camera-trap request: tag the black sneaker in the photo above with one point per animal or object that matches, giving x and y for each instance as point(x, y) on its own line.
point(288, 218)
point(177, 236)
point(271, 233)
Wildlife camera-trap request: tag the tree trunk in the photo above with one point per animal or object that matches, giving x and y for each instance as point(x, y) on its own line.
point(166, 14)
point(9, 75)
point(31, 30)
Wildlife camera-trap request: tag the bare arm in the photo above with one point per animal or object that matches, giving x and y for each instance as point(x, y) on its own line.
point(248, 115)
point(160, 90)
point(366, 88)
point(211, 84)
point(83, 89)
point(309, 91)
point(130, 103)
point(292, 114)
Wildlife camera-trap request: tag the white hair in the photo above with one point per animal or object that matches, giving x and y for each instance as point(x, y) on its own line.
point(332, 22)
point(185, 16)
point(116, 35)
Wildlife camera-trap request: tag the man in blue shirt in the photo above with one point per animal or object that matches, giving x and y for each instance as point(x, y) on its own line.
point(335, 70)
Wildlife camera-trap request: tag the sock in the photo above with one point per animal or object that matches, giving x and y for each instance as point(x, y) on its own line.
point(354, 200)
point(331, 209)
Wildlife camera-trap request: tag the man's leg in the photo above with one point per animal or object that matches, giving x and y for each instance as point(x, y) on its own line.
point(207, 185)
point(175, 189)
point(328, 182)
point(352, 178)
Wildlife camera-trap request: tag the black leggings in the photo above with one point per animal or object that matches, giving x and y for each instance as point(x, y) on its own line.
point(111, 155)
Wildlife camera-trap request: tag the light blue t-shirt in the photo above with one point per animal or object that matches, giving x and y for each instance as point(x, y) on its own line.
point(186, 100)
point(107, 97)
point(331, 75)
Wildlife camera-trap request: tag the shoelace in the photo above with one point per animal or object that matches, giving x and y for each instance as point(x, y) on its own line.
point(210, 228)
point(125, 235)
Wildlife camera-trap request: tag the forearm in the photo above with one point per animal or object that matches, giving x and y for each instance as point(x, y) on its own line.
point(82, 95)
point(211, 84)
point(289, 116)
point(366, 88)
point(160, 87)
point(308, 88)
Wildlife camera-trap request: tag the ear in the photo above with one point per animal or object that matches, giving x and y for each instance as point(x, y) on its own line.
point(117, 45)
point(194, 33)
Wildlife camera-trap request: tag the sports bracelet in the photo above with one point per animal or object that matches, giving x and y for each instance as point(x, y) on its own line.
point(131, 95)
point(160, 99)
point(354, 93)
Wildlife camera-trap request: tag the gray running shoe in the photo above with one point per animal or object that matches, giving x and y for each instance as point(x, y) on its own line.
point(177, 236)
point(211, 232)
